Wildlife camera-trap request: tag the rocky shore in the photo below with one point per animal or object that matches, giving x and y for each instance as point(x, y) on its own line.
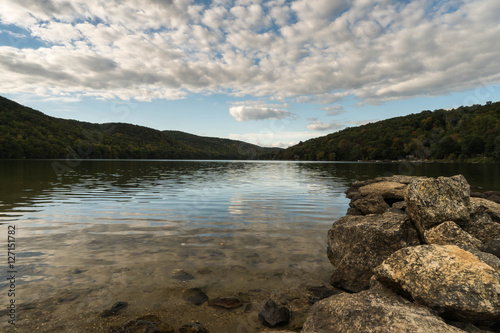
point(413, 254)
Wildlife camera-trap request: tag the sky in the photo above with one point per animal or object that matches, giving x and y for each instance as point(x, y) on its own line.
point(272, 72)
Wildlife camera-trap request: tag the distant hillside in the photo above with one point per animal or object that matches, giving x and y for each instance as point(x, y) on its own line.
point(466, 133)
point(27, 133)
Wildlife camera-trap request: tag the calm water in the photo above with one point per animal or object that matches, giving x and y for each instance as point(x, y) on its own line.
point(144, 231)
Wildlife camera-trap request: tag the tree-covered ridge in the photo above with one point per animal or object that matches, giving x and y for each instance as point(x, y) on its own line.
point(27, 133)
point(459, 134)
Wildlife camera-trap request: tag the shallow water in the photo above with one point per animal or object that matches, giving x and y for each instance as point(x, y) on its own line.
point(145, 231)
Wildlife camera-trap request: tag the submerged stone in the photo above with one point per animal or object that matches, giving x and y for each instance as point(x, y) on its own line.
point(195, 296)
point(226, 302)
point(273, 315)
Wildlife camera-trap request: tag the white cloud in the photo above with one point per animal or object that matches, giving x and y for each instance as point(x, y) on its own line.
point(317, 125)
point(334, 110)
point(311, 50)
point(257, 112)
point(268, 138)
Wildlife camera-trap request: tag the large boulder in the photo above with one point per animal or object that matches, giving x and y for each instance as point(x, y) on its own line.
point(431, 202)
point(357, 244)
point(449, 233)
point(446, 278)
point(374, 310)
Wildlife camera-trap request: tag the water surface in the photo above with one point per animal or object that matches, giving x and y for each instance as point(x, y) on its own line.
point(144, 231)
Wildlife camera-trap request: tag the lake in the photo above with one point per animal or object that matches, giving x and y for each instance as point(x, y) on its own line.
point(143, 232)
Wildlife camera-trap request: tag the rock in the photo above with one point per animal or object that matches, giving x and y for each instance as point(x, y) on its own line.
point(323, 292)
point(399, 205)
point(491, 208)
point(183, 276)
point(431, 202)
point(467, 327)
point(353, 211)
point(449, 280)
point(371, 204)
point(226, 302)
point(117, 307)
point(145, 324)
point(374, 310)
point(273, 315)
point(245, 298)
point(478, 195)
point(481, 226)
point(195, 296)
point(193, 328)
point(488, 258)
point(495, 198)
point(357, 244)
point(449, 233)
point(387, 189)
point(297, 320)
point(492, 247)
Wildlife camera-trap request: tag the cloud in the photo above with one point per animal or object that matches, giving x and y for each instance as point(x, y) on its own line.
point(317, 51)
point(334, 110)
point(255, 112)
point(268, 138)
point(317, 125)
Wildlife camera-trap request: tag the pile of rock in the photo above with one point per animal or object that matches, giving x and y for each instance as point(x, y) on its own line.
point(414, 254)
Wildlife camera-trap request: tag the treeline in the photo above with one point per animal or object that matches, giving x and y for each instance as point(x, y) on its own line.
point(462, 134)
point(27, 133)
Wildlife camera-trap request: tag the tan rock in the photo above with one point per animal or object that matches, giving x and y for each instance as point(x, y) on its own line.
point(447, 279)
point(431, 202)
point(450, 233)
point(374, 310)
point(387, 189)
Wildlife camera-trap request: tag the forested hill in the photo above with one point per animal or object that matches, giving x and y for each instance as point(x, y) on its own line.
point(462, 134)
point(27, 133)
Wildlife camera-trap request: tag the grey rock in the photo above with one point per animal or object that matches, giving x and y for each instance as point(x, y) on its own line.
point(482, 226)
point(357, 244)
point(491, 208)
point(195, 296)
point(431, 202)
point(371, 204)
point(273, 315)
point(492, 247)
point(183, 276)
point(193, 328)
point(115, 309)
point(374, 310)
point(495, 198)
point(447, 279)
point(449, 233)
point(149, 324)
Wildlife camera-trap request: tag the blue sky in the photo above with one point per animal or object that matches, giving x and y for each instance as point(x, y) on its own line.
point(268, 72)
